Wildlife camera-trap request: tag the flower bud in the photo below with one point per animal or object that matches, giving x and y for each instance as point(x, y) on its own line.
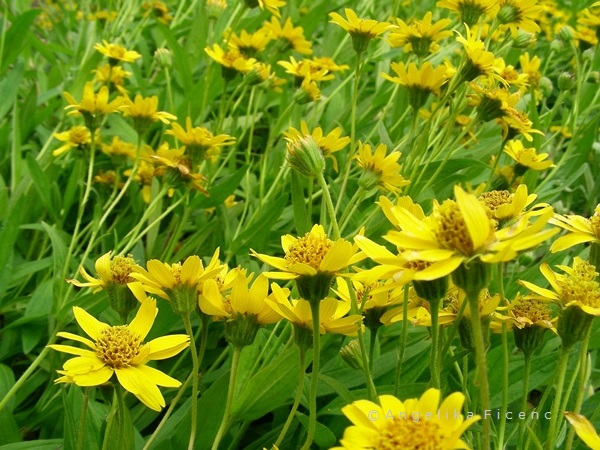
point(305, 156)
point(351, 354)
point(557, 46)
point(546, 86)
point(524, 40)
point(566, 34)
point(566, 81)
point(164, 57)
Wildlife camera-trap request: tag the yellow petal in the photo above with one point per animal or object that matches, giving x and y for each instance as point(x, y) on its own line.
point(161, 274)
point(134, 381)
point(144, 319)
point(584, 429)
point(94, 378)
point(475, 217)
point(75, 337)
point(92, 326)
point(159, 378)
point(191, 269)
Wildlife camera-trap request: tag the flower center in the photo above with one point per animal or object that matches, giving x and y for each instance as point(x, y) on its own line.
point(532, 309)
point(120, 269)
point(451, 229)
point(309, 249)
point(117, 346)
point(79, 135)
point(412, 433)
point(581, 285)
point(493, 200)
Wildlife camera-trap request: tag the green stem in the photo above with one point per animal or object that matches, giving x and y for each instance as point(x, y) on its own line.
point(583, 378)
point(561, 371)
point(435, 337)
point(402, 347)
point(372, 342)
point(504, 407)
point(495, 166)
point(288, 422)
point(230, 391)
point(525, 397)
point(481, 364)
point(110, 420)
point(195, 369)
point(81, 430)
point(314, 377)
point(351, 208)
point(329, 205)
point(352, 131)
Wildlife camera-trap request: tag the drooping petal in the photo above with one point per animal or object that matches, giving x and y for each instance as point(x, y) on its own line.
point(95, 378)
point(76, 337)
point(134, 381)
point(167, 346)
point(72, 350)
point(159, 378)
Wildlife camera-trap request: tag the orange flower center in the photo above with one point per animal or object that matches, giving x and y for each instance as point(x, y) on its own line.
point(120, 269)
point(581, 285)
point(492, 200)
point(117, 346)
point(532, 309)
point(451, 229)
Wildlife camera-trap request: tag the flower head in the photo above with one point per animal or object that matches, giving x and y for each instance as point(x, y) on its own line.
point(92, 106)
point(518, 15)
point(527, 158)
point(116, 53)
point(469, 10)
point(116, 270)
point(480, 62)
point(121, 350)
point(410, 424)
point(420, 81)
point(379, 169)
point(580, 229)
point(144, 111)
point(292, 36)
point(232, 62)
point(77, 137)
point(420, 36)
point(361, 30)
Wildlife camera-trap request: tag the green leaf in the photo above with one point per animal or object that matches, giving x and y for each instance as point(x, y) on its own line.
point(42, 444)
point(181, 63)
point(38, 307)
point(17, 37)
point(269, 388)
point(220, 191)
point(59, 249)
point(8, 93)
point(73, 400)
point(324, 438)
point(42, 186)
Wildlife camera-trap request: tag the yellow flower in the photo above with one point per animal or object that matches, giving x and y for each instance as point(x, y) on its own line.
point(200, 143)
point(361, 30)
point(527, 157)
point(121, 350)
point(370, 295)
point(505, 206)
point(420, 82)
point(518, 15)
point(410, 424)
point(163, 279)
point(524, 313)
point(120, 148)
point(240, 300)
point(232, 62)
point(145, 110)
point(480, 62)
point(248, 44)
point(293, 36)
point(144, 176)
point(577, 288)
point(470, 10)
point(531, 67)
point(584, 429)
point(160, 11)
point(109, 270)
point(77, 137)
point(328, 144)
point(581, 229)
point(305, 69)
point(92, 105)
point(112, 74)
point(116, 52)
point(309, 92)
point(420, 36)
point(310, 254)
point(270, 5)
point(460, 231)
point(332, 313)
point(176, 166)
point(516, 122)
point(492, 103)
point(379, 170)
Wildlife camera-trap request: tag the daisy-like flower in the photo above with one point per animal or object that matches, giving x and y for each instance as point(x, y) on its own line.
point(305, 69)
point(469, 10)
point(505, 206)
point(309, 92)
point(518, 15)
point(243, 308)
point(92, 106)
point(232, 62)
point(145, 174)
point(327, 63)
point(178, 283)
point(379, 169)
point(480, 62)
point(176, 166)
point(580, 229)
point(420, 36)
point(114, 75)
point(312, 260)
point(492, 103)
point(527, 158)
point(199, 142)
point(270, 5)
point(362, 31)
point(248, 44)
point(584, 429)
point(410, 424)
point(333, 316)
point(420, 81)
point(120, 350)
point(577, 293)
point(119, 149)
point(160, 11)
point(78, 137)
point(327, 143)
point(292, 36)
point(516, 122)
point(116, 53)
point(531, 66)
point(115, 270)
point(529, 319)
point(144, 111)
